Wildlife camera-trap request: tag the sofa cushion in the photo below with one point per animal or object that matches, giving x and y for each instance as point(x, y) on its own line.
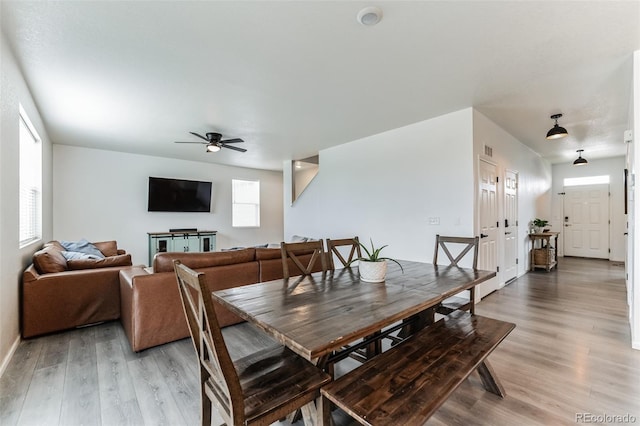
point(106, 262)
point(82, 246)
point(54, 244)
point(108, 248)
point(163, 262)
point(49, 260)
point(268, 253)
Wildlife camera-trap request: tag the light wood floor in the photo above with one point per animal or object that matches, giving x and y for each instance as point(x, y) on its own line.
point(569, 354)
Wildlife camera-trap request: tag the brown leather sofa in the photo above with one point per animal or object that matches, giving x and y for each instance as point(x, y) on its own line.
point(58, 294)
point(151, 310)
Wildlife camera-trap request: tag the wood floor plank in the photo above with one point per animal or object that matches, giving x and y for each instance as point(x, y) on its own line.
point(16, 380)
point(44, 397)
point(118, 401)
point(177, 370)
point(153, 394)
point(81, 395)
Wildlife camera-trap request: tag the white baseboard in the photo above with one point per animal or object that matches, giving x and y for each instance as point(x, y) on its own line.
point(635, 344)
point(9, 355)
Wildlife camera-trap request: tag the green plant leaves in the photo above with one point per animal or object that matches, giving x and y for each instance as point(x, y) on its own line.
point(374, 255)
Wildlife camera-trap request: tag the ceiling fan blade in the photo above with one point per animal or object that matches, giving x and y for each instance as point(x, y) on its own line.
point(200, 143)
point(200, 136)
point(235, 148)
point(235, 140)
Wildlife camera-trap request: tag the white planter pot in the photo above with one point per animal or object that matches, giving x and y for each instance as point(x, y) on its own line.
point(372, 272)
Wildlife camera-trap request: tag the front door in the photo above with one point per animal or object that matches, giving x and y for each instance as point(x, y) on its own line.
point(488, 225)
point(510, 226)
point(586, 221)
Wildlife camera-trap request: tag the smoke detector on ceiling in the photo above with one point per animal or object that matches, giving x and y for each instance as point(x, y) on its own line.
point(370, 15)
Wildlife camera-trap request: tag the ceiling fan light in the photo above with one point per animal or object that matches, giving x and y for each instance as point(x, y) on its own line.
point(580, 161)
point(213, 148)
point(557, 131)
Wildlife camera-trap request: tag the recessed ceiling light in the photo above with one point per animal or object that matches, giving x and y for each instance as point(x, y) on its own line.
point(370, 15)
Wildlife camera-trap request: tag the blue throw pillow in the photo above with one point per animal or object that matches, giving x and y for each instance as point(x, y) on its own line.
point(82, 246)
point(76, 255)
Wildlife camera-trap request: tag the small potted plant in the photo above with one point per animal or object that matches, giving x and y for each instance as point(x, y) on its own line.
point(372, 267)
point(539, 224)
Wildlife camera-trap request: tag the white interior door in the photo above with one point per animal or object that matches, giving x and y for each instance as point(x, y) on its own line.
point(586, 221)
point(510, 269)
point(488, 225)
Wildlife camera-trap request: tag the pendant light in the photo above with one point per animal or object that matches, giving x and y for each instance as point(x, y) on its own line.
point(556, 131)
point(580, 161)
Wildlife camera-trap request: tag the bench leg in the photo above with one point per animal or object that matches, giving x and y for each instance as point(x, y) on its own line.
point(324, 411)
point(490, 380)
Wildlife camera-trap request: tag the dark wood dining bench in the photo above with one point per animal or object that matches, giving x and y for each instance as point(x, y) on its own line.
point(408, 383)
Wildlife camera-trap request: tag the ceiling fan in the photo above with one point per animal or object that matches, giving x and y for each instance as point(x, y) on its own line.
point(215, 144)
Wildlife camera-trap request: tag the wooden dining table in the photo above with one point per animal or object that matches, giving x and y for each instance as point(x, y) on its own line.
point(320, 314)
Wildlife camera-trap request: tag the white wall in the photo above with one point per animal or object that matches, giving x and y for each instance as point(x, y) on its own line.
point(634, 203)
point(102, 195)
point(614, 168)
point(13, 260)
point(388, 185)
point(534, 180)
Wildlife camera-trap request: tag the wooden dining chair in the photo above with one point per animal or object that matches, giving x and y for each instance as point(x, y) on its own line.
point(333, 249)
point(304, 256)
point(463, 247)
point(258, 389)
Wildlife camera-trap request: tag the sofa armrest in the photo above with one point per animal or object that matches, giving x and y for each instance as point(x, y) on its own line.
point(30, 274)
point(150, 308)
point(121, 251)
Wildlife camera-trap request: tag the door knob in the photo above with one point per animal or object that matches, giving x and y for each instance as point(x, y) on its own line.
point(567, 224)
point(507, 233)
point(483, 235)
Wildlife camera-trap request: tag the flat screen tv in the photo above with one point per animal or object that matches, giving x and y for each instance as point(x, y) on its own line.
point(178, 195)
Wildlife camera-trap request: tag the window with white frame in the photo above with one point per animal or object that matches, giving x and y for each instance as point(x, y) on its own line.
point(246, 203)
point(587, 180)
point(30, 182)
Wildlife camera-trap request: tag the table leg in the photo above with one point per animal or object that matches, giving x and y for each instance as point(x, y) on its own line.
point(310, 414)
point(375, 347)
point(489, 379)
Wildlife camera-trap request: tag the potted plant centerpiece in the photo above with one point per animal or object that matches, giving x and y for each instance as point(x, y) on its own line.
point(539, 224)
point(372, 267)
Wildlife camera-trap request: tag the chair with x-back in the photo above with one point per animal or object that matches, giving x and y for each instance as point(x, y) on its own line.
point(334, 249)
point(258, 389)
point(304, 257)
point(463, 247)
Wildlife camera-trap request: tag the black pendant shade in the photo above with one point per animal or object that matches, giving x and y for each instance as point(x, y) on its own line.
point(580, 161)
point(557, 131)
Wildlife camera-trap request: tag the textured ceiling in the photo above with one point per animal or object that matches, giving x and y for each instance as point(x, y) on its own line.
point(294, 77)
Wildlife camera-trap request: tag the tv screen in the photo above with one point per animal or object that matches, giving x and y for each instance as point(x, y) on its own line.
point(177, 195)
